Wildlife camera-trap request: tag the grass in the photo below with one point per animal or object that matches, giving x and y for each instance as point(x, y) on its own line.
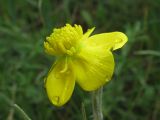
point(134, 92)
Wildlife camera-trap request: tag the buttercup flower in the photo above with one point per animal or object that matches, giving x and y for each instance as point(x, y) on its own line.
point(81, 58)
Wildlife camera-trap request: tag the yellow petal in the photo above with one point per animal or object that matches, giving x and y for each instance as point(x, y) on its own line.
point(60, 82)
point(112, 40)
point(93, 67)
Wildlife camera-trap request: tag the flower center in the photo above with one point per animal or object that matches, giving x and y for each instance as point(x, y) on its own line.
point(65, 40)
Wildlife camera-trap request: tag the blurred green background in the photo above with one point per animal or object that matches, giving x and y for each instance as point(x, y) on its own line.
point(133, 93)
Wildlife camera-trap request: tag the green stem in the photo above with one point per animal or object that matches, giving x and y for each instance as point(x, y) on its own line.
point(25, 116)
point(97, 104)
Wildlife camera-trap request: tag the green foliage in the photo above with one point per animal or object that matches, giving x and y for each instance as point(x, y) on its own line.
point(134, 92)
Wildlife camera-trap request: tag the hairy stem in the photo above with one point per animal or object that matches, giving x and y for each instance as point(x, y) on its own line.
point(97, 104)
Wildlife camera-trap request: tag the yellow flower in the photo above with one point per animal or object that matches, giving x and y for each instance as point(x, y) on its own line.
point(81, 58)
